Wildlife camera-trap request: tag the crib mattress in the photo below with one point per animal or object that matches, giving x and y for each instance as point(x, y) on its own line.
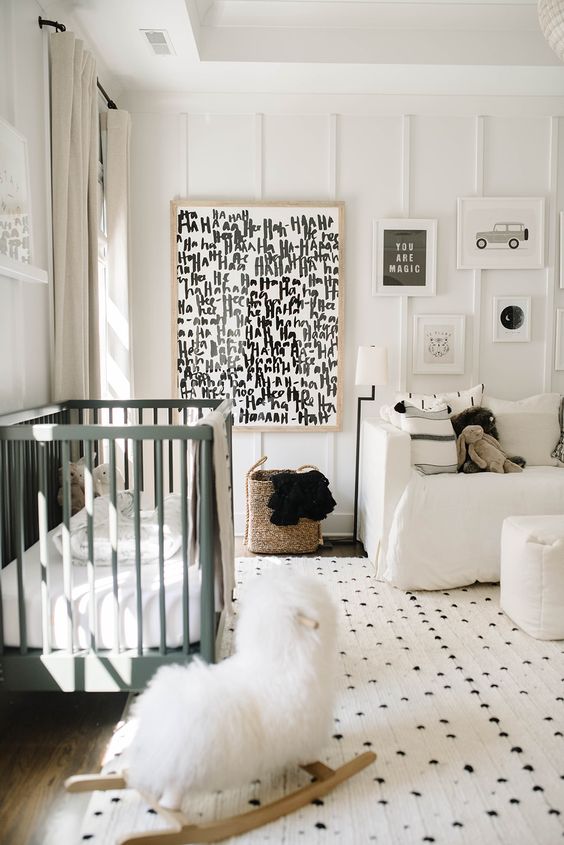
point(104, 600)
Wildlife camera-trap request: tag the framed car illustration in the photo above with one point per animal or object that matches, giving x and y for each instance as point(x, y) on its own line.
point(500, 232)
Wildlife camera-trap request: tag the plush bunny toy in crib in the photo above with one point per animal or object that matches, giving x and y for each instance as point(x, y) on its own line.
point(268, 706)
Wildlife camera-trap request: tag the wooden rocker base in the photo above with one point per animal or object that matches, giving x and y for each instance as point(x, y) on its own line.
point(181, 832)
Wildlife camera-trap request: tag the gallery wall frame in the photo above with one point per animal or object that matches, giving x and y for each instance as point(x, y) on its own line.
point(16, 236)
point(511, 319)
point(404, 257)
point(561, 239)
point(559, 345)
point(439, 343)
point(501, 233)
point(258, 308)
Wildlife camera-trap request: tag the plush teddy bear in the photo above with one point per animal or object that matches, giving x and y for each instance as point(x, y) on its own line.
point(482, 452)
point(484, 417)
point(76, 471)
point(476, 415)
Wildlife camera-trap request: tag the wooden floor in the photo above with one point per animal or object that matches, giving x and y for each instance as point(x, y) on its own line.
point(331, 548)
point(45, 737)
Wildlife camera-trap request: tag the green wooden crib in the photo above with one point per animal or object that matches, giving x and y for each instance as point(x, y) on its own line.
point(107, 625)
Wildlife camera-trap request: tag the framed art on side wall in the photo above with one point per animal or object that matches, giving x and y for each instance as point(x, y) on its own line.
point(404, 262)
point(438, 343)
point(500, 233)
point(562, 249)
point(15, 214)
point(257, 309)
point(559, 352)
point(511, 319)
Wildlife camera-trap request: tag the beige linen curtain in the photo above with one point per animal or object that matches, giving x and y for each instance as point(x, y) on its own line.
point(116, 181)
point(74, 151)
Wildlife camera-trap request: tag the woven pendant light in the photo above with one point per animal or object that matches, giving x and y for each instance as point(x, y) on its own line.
point(551, 19)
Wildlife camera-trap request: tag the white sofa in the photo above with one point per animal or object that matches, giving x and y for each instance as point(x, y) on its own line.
point(439, 531)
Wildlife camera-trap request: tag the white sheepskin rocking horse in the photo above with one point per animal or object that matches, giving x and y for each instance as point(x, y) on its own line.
point(270, 705)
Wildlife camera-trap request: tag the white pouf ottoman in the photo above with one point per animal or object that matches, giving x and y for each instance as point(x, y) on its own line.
point(532, 574)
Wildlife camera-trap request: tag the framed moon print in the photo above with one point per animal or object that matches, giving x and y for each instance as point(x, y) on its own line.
point(438, 343)
point(404, 257)
point(511, 318)
point(257, 309)
point(500, 233)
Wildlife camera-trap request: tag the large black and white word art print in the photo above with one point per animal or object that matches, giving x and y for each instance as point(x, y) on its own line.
point(258, 309)
point(405, 262)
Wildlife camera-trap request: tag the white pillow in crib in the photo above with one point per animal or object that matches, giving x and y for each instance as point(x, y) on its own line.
point(458, 400)
point(528, 427)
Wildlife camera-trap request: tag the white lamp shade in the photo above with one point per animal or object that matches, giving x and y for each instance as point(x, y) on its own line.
point(371, 365)
point(551, 19)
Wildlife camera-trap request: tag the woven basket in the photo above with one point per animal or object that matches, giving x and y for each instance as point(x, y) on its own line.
point(261, 535)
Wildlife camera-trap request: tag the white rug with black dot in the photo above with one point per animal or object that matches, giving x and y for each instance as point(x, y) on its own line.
point(465, 712)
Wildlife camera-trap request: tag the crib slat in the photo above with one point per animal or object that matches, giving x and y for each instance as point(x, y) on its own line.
point(3, 547)
point(137, 447)
point(67, 561)
point(170, 458)
point(207, 598)
point(19, 504)
point(185, 570)
point(89, 504)
point(154, 442)
point(8, 503)
point(99, 456)
point(43, 517)
point(158, 447)
point(114, 541)
point(140, 482)
point(126, 454)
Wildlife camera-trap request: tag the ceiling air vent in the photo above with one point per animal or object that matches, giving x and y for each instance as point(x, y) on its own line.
point(159, 41)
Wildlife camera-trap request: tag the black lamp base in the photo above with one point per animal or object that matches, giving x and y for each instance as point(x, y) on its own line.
point(358, 421)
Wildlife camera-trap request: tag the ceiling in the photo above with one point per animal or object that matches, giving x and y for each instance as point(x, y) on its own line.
point(320, 46)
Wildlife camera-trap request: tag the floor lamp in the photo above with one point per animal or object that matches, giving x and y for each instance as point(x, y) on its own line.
point(371, 369)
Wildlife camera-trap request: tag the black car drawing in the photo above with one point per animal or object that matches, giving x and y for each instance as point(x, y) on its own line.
point(504, 234)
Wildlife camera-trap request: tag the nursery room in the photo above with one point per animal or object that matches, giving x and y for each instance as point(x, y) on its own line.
point(281, 421)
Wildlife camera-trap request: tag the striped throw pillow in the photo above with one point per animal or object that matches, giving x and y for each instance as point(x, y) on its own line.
point(433, 441)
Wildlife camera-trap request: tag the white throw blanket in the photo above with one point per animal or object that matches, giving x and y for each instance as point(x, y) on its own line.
point(224, 545)
point(149, 531)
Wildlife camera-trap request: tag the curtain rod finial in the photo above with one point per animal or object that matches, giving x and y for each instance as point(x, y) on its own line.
point(60, 27)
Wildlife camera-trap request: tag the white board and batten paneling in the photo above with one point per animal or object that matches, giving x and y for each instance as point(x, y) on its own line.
point(385, 157)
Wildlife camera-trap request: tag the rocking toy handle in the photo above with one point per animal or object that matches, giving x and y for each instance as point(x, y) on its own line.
point(85, 783)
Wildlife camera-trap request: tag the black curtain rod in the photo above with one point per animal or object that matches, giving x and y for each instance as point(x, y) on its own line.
point(60, 27)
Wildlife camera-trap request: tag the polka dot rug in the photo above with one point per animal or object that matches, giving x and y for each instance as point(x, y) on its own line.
point(464, 710)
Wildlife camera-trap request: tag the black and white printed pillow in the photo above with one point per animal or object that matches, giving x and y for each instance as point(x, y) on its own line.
point(433, 441)
point(558, 451)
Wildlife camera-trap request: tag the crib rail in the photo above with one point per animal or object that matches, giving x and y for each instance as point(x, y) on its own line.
point(33, 445)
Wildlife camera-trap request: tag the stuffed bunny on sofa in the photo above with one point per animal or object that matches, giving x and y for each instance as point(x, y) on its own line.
point(478, 451)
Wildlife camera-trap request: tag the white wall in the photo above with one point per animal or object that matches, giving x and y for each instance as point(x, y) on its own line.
point(386, 157)
point(24, 305)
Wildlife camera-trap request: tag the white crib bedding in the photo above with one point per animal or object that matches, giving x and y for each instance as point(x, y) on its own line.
point(104, 602)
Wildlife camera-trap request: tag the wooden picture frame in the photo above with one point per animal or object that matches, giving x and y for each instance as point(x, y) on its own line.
point(405, 257)
point(439, 343)
point(505, 233)
point(257, 309)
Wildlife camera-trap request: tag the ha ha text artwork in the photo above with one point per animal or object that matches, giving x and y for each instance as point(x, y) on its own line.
point(257, 298)
point(405, 257)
